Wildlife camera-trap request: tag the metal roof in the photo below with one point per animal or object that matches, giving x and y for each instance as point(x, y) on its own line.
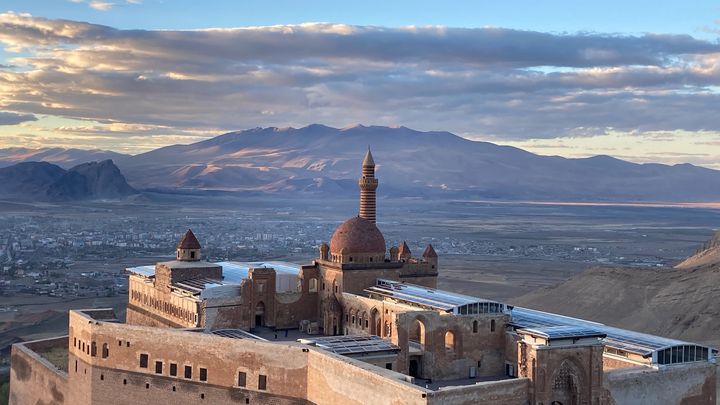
point(236, 334)
point(563, 332)
point(197, 285)
point(423, 296)
point(236, 272)
point(352, 344)
point(621, 339)
point(145, 271)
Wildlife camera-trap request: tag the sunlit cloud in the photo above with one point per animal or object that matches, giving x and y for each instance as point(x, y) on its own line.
point(532, 89)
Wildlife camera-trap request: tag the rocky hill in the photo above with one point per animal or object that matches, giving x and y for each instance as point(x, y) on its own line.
point(63, 157)
point(707, 255)
point(47, 182)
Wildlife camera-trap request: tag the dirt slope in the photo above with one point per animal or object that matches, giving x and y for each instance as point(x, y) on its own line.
point(678, 303)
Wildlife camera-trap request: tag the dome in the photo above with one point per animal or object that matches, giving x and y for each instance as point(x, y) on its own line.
point(357, 235)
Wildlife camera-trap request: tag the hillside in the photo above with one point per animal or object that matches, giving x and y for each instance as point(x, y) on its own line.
point(681, 302)
point(47, 182)
point(321, 159)
point(707, 255)
point(63, 157)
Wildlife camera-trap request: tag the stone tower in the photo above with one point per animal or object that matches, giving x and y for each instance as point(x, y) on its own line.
point(368, 185)
point(188, 249)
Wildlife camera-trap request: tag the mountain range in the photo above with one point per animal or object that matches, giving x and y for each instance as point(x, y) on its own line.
point(321, 159)
point(42, 181)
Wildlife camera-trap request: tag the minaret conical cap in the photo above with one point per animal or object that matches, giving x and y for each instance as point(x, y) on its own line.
point(368, 161)
point(189, 241)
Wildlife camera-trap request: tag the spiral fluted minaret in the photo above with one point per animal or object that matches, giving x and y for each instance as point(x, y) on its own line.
point(368, 184)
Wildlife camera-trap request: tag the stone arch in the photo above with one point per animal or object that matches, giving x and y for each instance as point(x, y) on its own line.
point(353, 317)
point(313, 285)
point(260, 314)
point(417, 332)
point(364, 322)
point(566, 383)
point(375, 328)
point(450, 342)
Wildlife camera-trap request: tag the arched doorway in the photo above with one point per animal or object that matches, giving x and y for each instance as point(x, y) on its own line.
point(566, 385)
point(375, 328)
point(260, 314)
point(414, 369)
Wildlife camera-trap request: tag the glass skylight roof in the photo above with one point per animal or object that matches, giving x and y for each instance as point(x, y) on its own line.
point(235, 334)
point(352, 344)
point(620, 339)
point(564, 332)
point(432, 298)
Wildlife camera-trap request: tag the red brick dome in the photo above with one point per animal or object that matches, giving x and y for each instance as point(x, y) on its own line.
point(357, 235)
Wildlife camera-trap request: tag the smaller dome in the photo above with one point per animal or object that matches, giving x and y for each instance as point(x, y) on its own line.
point(357, 235)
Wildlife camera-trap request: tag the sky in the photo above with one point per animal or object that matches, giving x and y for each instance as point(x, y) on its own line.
point(637, 80)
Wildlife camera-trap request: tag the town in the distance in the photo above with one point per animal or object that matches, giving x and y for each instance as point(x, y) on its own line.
point(368, 320)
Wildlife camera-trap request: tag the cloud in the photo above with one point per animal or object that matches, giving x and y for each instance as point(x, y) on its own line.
point(494, 83)
point(101, 5)
point(11, 118)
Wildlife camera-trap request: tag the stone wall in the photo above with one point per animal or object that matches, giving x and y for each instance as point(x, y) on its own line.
point(506, 392)
point(135, 315)
point(284, 366)
point(611, 362)
point(33, 379)
point(332, 382)
point(109, 386)
point(684, 384)
point(560, 372)
point(451, 344)
point(160, 307)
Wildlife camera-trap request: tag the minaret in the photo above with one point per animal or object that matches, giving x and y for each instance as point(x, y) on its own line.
point(368, 184)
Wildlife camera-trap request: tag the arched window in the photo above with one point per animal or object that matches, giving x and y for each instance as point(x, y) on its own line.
point(449, 342)
point(492, 325)
point(417, 332)
point(475, 326)
point(313, 285)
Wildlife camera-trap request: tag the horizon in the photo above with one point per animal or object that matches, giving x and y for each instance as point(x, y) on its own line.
point(131, 76)
point(348, 128)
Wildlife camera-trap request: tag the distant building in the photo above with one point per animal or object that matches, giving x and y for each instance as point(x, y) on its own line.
point(360, 324)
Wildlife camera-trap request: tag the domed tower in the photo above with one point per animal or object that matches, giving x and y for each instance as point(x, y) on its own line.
point(368, 186)
point(357, 240)
point(188, 249)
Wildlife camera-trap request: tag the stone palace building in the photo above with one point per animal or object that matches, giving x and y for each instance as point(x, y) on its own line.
point(361, 324)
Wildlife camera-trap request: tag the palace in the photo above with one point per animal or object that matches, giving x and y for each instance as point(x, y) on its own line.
point(361, 324)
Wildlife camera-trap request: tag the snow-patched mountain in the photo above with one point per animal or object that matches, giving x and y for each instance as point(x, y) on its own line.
point(63, 157)
point(320, 158)
point(42, 181)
